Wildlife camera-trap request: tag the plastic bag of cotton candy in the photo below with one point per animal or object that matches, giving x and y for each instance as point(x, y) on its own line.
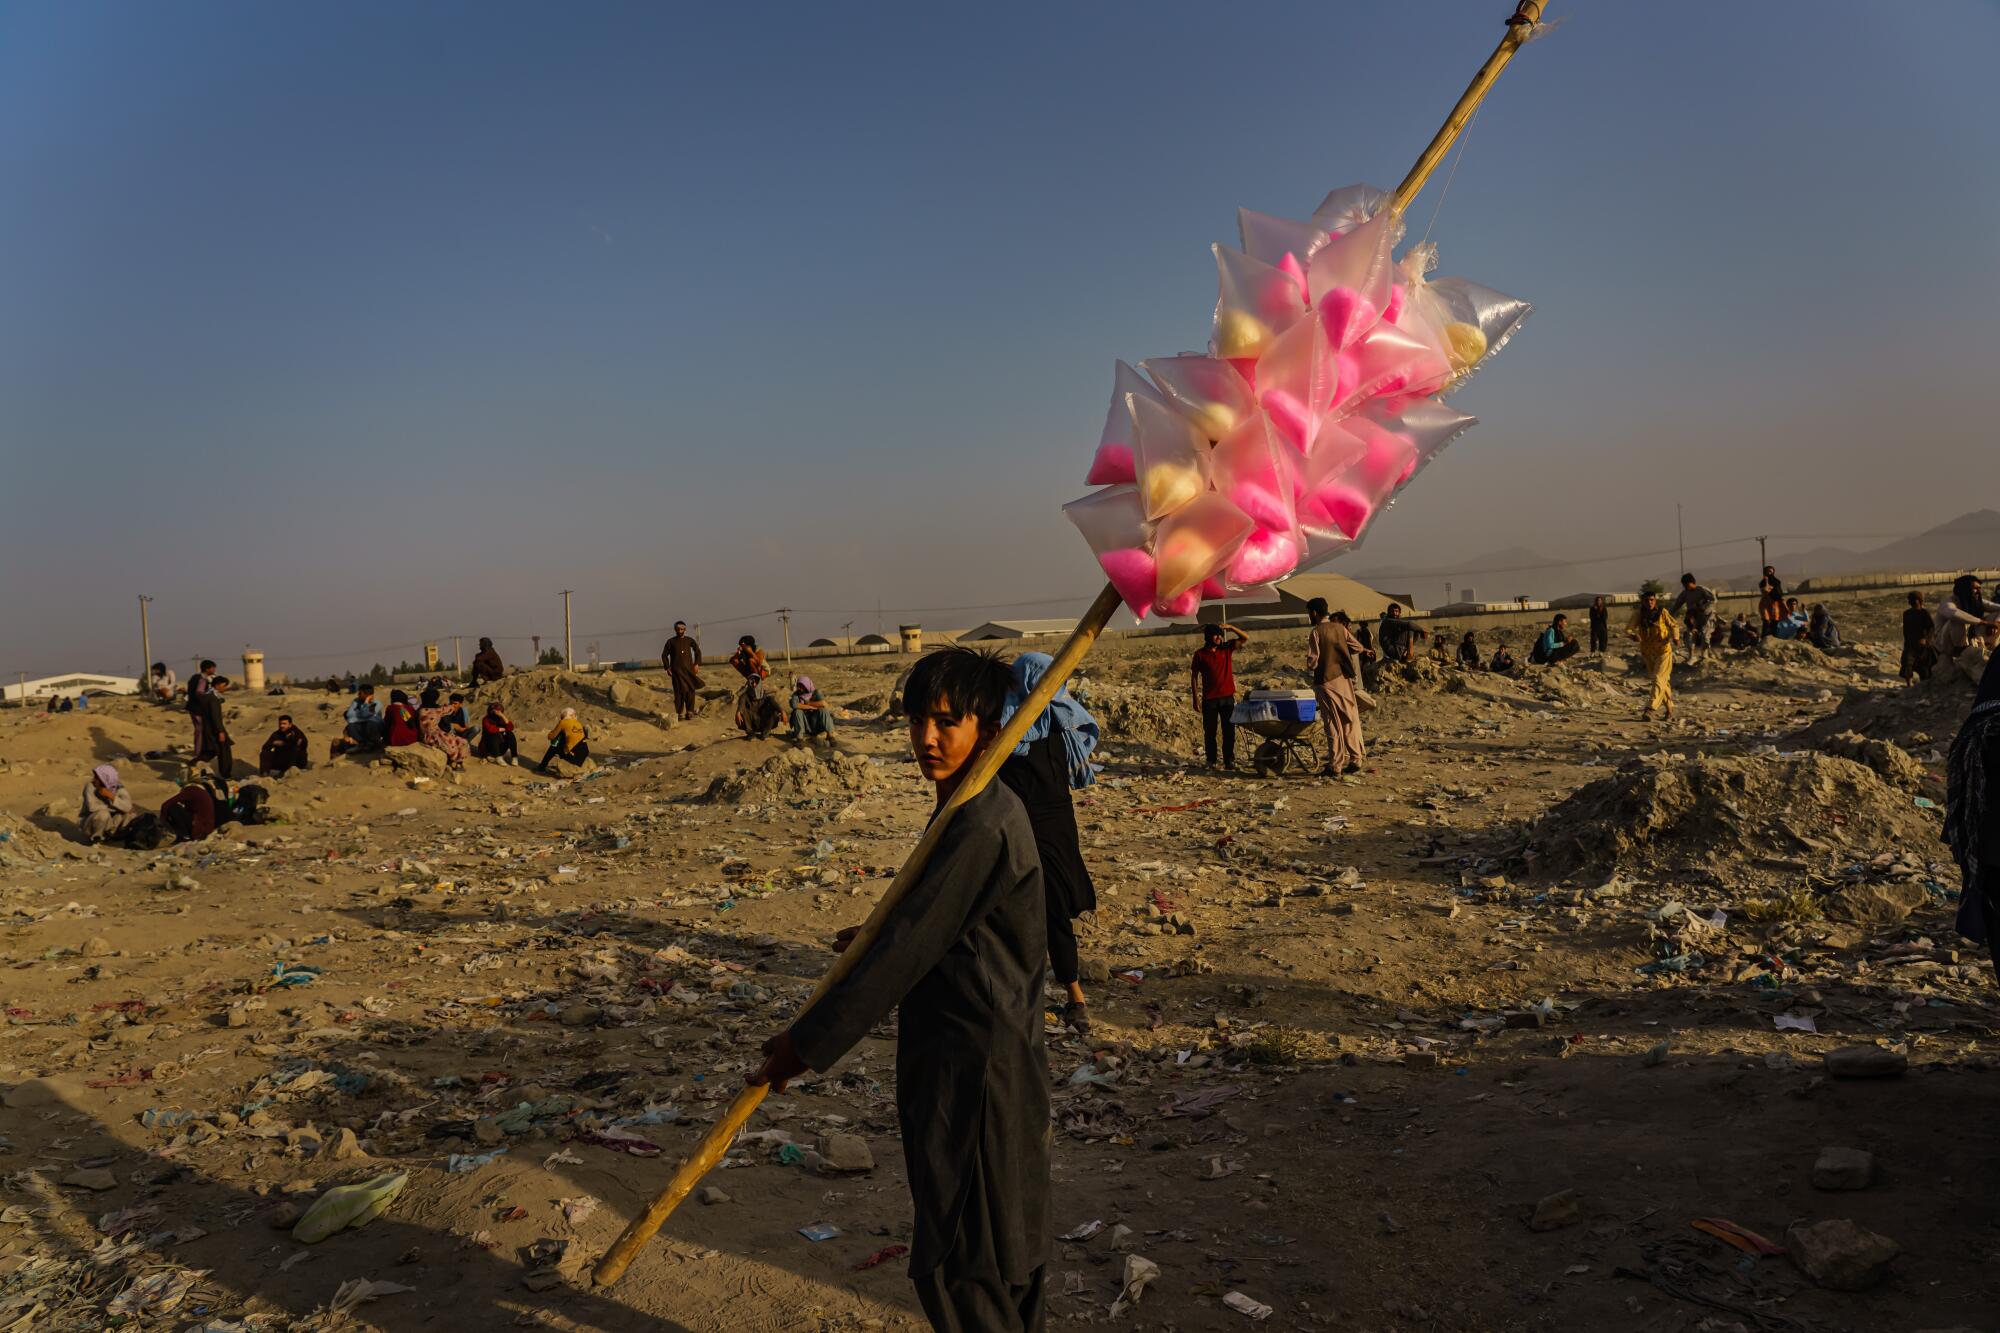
point(1317, 402)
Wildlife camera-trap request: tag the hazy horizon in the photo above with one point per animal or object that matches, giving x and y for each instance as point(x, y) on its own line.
point(336, 330)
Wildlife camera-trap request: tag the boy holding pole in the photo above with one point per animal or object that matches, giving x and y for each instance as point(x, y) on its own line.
point(963, 956)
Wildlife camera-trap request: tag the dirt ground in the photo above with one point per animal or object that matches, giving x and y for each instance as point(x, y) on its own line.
point(1350, 1036)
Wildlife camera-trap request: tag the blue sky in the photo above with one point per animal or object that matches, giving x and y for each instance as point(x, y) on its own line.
point(337, 328)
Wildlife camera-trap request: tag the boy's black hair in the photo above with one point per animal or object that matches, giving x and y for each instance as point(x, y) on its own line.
point(1317, 606)
point(971, 683)
point(206, 663)
point(1211, 631)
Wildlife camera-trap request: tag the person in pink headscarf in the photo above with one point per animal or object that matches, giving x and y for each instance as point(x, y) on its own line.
point(811, 718)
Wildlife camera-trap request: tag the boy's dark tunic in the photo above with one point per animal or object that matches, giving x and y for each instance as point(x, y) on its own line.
point(963, 954)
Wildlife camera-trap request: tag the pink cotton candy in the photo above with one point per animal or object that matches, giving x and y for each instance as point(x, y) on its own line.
point(1246, 366)
point(1265, 555)
point(1113, 465)
point(1296, 271)
point(1181, 607)
point(1267, 508)
point(1394, 310)
point(1133, 573)
point(1347, 507)
point(1288, 416)
point(1212, 590)
point(1346, 314)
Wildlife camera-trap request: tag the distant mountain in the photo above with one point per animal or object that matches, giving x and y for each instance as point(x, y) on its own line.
point(1970, 541)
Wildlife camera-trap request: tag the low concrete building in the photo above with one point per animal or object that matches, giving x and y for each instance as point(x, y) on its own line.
point(75, 683)
point(1016, 629)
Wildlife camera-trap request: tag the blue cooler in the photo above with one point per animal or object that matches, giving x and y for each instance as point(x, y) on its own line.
point(1277, 706)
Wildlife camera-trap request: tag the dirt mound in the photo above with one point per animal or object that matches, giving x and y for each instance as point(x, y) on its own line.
point(798, 774)
point(1890, 761)
point(536, 698)
point(1665, 815)
point(23, 845)
point(1917, 719)
point(1160, 724)
point(1422, 675)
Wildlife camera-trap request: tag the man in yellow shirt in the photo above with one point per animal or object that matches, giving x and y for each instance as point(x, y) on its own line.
point(1657, 633)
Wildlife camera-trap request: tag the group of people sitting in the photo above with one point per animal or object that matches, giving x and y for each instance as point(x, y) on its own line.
point(759, 712)
point(109, 813)
point(448, 728)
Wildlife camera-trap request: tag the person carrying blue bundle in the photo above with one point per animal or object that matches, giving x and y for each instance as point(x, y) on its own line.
point(1052, 759)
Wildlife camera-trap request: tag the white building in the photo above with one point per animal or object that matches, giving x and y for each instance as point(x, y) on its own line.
point(76, 682)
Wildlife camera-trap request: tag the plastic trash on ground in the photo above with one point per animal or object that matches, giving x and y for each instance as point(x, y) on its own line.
point(347, 1206)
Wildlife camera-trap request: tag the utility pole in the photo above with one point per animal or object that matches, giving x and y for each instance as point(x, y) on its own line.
point(457, 655)
point(849, 627)
point(1762, 559)
point(785, 616)
point(569, 656)
point(536, 639)
point(1681, 535)
point(145, 644)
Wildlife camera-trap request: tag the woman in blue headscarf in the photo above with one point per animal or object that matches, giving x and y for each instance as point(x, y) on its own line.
point(1053, 758)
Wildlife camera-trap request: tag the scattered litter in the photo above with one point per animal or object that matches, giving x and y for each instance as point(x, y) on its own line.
point(819, 1231)
point(1243, 1305)
point(882, 1256)
point(347, 1206)
point(1138, 1272)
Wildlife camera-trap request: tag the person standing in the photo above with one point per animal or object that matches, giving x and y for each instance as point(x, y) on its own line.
point(1051, 760)
point(1770, 602)
point(1657, 631)
point(681, 656)
point(961, 958)
point(1334, 656)
point(486, 664)
point(1600, 625)
point(1212, 683)
point(211, 734)
point(1696, 605)
point(1972, 814)
point(1919, 656)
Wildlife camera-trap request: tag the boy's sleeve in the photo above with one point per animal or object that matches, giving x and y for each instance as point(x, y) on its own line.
point(918, 933)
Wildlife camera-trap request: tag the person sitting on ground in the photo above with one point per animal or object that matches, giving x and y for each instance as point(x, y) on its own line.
point(284, 750)
point(107, 807)
point(431, 726)
point(1052, 760)
point(162, 683)
point(1398, 636)
point(1555, 644)
point(1440, 646)
point(496, 734)
point(1793, 623)
point(457, 720)
point(1503, 661)
point(197, 810)
point(1468, 651)
point(1919, 653)
point(486, 664)
point(752, 716)
point(364, 723)
point(811, 718)
point(568, 741)
point(1966, 627)
point(1821, 632)
point(399, 724)
point(1741, 633)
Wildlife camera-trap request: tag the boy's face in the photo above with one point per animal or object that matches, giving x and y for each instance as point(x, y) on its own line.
point(943, 740)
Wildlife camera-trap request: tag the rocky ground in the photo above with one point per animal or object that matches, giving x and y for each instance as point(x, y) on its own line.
point(1522, 1029)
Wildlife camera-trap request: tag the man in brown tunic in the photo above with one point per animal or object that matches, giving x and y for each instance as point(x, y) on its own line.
point(682, 658)
point(1334, 655)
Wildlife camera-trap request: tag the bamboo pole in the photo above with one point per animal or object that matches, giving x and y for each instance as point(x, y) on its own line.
point(987, 766)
